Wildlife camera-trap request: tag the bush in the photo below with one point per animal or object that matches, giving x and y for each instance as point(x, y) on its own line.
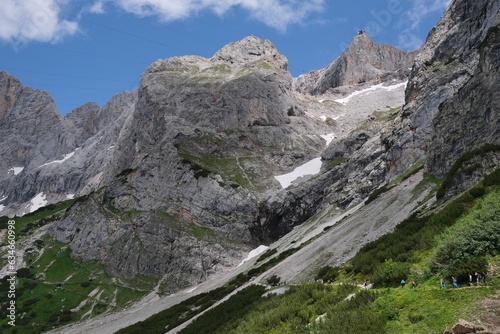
point(462, 247)
point(24, 273)
point(273, 280)
point(328, 274)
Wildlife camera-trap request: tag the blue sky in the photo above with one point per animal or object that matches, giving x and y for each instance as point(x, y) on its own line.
point(87, 51)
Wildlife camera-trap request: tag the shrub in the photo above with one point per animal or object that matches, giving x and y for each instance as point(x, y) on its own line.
point(328, 274)
point(273, 280)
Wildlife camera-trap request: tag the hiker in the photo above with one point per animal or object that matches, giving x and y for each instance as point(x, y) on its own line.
point(441, 283)
point(470, 279)
point(403, 282)
point(478, 278)
point(455, 285)
point(413, 284)
point(365, 284)
point(484, 277)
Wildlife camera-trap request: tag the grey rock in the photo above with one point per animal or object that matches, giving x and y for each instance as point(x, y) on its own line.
point(363, 61)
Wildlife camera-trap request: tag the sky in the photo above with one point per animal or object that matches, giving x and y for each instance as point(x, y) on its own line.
point(89, 50)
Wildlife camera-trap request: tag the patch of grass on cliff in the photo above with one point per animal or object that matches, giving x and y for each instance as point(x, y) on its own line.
point(385, 188)
point(493, 36)
point(386, 115)
point(456, 167)
point(331, 164)
point(211, 155)
point(27, 223)
point(200, 232)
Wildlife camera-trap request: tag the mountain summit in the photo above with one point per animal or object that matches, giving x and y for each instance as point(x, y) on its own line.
point(363, 61)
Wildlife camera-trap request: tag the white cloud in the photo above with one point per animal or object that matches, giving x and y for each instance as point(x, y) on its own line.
point(413, 17)
point(278, 14)
point(421, 8)
point(37, 20)
point(97, 8)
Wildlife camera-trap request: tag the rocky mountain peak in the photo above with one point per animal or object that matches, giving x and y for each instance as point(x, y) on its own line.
point(251, 49)
point(363, 61)
point(9, 89)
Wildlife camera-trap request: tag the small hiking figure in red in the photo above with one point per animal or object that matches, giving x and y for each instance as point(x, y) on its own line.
point(413, 284)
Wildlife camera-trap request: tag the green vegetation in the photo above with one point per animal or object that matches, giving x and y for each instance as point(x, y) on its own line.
point(387, 115)
point(464, 246)
point(385, 188)
point(177, 314)
point(216, 320)
point(292, 312)
point(492, 37)
point(335, 162)
point(56, 289)
point(448, 180)
point(330, 122)
point(27, 223)
point(236, 165)
point(327, 274)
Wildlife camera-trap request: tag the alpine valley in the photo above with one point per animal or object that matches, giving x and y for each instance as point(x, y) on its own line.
point(174, 207)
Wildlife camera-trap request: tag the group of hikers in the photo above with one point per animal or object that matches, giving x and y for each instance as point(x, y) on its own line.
point(413, 283)
point(442, 284)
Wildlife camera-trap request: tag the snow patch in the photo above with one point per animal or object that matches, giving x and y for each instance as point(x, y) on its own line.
point(309, 168)
point(328, 137)
point(368, 90)
point(70, 196)
point(37, 202)
point(15, 170)
point(65, 157)
point(257, 251)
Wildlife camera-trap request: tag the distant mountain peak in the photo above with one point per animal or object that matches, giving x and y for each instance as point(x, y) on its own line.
point(363, 61)
point(251, 49)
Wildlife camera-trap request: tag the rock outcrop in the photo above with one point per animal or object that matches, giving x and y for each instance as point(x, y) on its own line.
point(363, 61)
point(451, 106)
point(197, 153)
point(50, 157)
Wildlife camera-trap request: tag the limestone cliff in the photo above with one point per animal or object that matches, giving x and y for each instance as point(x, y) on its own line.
point(363, 61)
point(198, 153)
point(47, 156)
point(451, 101)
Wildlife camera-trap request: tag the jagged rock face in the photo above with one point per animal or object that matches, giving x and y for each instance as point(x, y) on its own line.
point(152, 244)
point(50, 156)
point(26, 115)
point(452, 105)
point(251, 49)
point(363, 61)
point(201, 146)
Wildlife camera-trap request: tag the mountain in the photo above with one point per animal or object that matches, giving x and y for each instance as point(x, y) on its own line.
point(362, 62)
point(177, 182)
point(46, 157)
